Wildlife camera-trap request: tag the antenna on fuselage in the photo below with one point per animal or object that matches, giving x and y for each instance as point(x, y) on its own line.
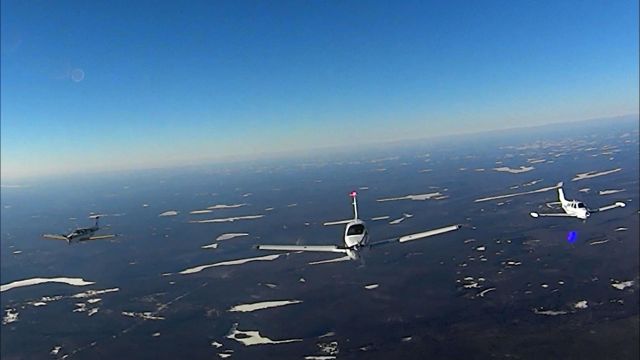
point(355, 204)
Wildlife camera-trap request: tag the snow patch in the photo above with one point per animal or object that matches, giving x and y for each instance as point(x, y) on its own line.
point(169, 213)
point(621, 285)
point(196, 212)
point(262, 305)
point(418, 197)
point(519, 170)
point(92, 293)
point(229, 236)
point(549, 312)
point(147, 315)
point(253, 337)
point(592, 174)
point(223, 206)
point(229, 219)
point(583, 304)
point(197, 269)
point(10, 316)
point(609, 192)
point(37, 281)
point(485, 291)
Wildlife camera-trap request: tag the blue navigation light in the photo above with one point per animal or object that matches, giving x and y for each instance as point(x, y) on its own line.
point(572, 236)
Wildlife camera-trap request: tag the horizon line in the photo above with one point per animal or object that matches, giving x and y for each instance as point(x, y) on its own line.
point(299, 153)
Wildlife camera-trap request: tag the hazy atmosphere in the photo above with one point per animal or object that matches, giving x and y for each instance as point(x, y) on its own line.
point(95, 86)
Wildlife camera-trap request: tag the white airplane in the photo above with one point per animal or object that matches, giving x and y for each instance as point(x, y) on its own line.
point(575, 208)
point(356, 238)
point(80, 234)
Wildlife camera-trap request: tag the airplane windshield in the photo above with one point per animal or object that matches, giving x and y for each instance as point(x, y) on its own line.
point(357, 229)
point(581, 205)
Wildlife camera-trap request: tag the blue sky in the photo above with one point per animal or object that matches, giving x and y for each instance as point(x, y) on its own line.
point(100, 85)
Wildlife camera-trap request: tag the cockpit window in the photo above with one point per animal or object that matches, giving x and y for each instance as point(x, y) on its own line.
point(581, 205)
point(356, 229)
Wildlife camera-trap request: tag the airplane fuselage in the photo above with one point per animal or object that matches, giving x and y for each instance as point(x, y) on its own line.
point(355, 234)
point(355, 237)
point(575, 208)
point(81, 234)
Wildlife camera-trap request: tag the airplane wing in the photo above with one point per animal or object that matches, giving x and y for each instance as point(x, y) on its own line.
point(101, 237)
point(554, 205)
point(54, 237)
point(535, 214)
point(315, 248)
point(609, 207)
point(416, 236)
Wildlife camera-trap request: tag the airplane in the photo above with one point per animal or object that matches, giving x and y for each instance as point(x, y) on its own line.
point(575, 208)
point(356, 238)
point(80, 234)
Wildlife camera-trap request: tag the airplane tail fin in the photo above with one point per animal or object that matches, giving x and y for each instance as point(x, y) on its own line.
point(355, 204)
point(561, 196)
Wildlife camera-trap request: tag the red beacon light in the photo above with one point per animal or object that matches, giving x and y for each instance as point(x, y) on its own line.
point(353, 194)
